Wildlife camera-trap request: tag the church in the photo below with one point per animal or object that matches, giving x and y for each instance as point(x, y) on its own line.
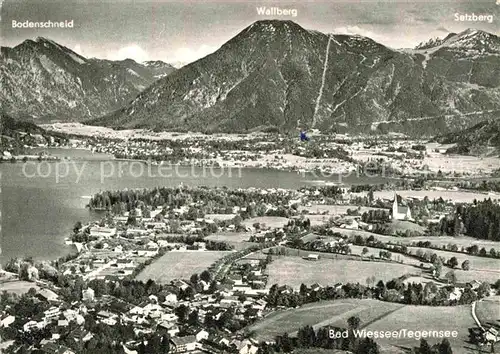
point(400, 210)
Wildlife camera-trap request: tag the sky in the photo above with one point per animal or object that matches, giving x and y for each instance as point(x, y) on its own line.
point(184, 31)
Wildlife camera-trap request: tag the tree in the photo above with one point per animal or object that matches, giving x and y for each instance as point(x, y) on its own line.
point(368, 346)
point(78, 226)
point(165, 344)
point(466, 265)
point(365, 251)
point(451, 277)
point(467, 297)
point(193, 318)
point(424, 348)
point(181, 312)
point(353, 322)
point(194, 279)
point(438, 267)
point(205, 276)
point(445, 347)
point(483, 290)
point(453, 262)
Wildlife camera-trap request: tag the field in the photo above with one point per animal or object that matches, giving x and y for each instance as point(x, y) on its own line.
point(374, 315)
point(239, 240)
point(294, 271)
point(229, 237)
point(462, 241)
point(321, 314)
point(182, 265)
point(220, 217)
point(476, 263)
point(318, 220)
point(18, 287)
point(375, 252)
point(457, 196)
point(429, 318)
point(335, 209)
point(236, 239)
point(401, 226)
point(488, 311)
point(273, 222)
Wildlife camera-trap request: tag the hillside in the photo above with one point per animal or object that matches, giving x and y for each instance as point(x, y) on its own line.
point(15, 134)
point(481, 139)
point(276, 74)
point(44, 80)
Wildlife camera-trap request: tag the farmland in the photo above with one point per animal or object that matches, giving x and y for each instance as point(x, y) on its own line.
point(429, 318)
point(462, 241)
point(173, 265)
point(456, 196)
point(239, 240)
point(488, 311)
point(335, 209)
point(375, 252)
point(294, 271)
point(269, 221)
point(374, 315)
point(18, 287)
point(485, 264)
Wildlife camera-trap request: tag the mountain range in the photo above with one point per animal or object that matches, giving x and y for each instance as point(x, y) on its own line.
point(278, 74)
point(273, 74)
point(43, 80)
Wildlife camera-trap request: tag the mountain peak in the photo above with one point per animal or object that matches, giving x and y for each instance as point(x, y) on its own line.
point(273, 25)
point(471, 38)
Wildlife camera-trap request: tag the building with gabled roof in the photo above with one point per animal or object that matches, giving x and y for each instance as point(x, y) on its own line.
point(400, 210)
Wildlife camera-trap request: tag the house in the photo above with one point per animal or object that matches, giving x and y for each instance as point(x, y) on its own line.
point(62, 323)
point(51, 314)
point(105, 232)
point(124, 263)
point(475, 284)
point(455, 294)
point(88, 294)
point(201, 335)
point(181, 284)
point(28, 326)
point(184, 344)
point(400, 210)
point(350, 224)
point(47, 295)
point(247, 347)
point(491, 335)
point(7, 321)
point(312, 257)
point(316, 287)
point(107, 318)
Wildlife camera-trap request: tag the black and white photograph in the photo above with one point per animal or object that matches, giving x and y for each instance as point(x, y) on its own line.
point(249, 176)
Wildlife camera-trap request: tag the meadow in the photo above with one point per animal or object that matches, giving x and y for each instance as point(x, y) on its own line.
point(320, 314)
point(428, 318)
point(294, 271)
point(273, 222)
point(174, 265)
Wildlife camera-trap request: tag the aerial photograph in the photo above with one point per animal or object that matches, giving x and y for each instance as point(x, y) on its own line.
point(249, 176)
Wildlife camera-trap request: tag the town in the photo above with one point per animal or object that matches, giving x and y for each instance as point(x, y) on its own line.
point(198, 269)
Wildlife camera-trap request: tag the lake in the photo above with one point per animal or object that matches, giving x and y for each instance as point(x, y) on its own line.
point(40, 202)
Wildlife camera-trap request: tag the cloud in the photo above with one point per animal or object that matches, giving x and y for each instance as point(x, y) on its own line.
point(132, 51)
point(356, 30)
point(188, 55)
point(442, 29)
point(78, 49)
